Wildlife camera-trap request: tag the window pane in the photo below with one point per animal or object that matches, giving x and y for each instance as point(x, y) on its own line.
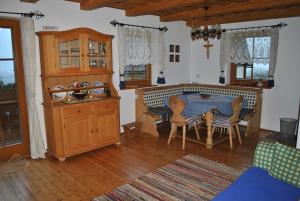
point(248, 73)
point(262, 47)
point(240, 72)
point(5, 43)
point(260, 70)
point(7, 74)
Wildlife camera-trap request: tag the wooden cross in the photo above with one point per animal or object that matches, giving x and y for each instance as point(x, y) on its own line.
point(207, 46)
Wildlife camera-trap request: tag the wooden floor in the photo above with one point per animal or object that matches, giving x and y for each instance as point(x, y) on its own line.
point(85, 176)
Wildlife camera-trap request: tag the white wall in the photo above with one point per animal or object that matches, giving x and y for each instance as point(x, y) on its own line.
point(67, 15)
point(280, 101)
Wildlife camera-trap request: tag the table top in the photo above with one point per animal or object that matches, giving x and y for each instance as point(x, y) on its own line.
point(197, 105)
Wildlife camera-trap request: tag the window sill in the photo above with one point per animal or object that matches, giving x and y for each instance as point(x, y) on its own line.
point(138, 86)
point(251, 84)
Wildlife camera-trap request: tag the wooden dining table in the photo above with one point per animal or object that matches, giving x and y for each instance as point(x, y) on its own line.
point(204, 105)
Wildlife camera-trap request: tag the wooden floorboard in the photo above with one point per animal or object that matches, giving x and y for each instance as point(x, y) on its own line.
point(87, 175)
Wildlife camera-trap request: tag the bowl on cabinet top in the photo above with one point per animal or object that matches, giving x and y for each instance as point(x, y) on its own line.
point(79, 95)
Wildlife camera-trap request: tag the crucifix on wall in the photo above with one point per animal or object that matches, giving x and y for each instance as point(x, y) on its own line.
point(207, 46)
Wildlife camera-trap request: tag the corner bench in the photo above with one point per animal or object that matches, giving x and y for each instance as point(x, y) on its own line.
point(154, 97)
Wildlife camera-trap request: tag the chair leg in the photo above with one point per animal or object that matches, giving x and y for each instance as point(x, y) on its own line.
point(238, 133)
point(213, 129)
point(221, 132)
point(230, 137)
point(183, 136)
point(171, 132)
point(197, 132)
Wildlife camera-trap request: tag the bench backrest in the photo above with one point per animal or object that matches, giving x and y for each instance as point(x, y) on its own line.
point(154, 96)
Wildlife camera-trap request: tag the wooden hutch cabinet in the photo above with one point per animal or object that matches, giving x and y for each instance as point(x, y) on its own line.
point(78, 61)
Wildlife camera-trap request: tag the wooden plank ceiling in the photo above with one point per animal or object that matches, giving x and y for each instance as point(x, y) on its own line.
point(193, 12)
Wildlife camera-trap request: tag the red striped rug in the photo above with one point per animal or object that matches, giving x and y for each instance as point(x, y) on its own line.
point(189, 178)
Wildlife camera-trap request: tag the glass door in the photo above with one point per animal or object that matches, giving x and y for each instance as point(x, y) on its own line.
point(13, 113)
point(97, 54)
point(69, 54)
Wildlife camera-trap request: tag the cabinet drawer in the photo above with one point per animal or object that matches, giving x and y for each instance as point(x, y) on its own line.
point(104, 106)
point(75, 110)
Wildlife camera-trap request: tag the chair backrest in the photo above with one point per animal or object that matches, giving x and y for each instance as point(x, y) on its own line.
point(177, 106)
point(236, 107)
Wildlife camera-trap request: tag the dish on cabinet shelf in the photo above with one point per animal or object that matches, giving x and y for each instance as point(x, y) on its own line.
point(59, 95)
point(85, 84)
point(98, 90)
point(70, 93)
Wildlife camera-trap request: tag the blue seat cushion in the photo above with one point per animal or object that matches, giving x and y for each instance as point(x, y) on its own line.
point(256, 184)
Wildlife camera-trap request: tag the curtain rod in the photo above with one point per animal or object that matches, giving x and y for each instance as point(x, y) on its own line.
point(115, 23)
point(280, 25)
point(37, 14)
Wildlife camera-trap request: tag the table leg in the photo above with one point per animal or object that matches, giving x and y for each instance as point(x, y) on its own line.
point(209, 139)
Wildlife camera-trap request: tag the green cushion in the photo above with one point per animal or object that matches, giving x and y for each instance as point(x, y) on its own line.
point(286, 164)
point(264, 155)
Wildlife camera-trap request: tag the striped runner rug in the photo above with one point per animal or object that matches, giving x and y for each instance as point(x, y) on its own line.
point(189, 178)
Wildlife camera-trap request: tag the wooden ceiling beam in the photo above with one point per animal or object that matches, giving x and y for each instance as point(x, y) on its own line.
point(93, 4)
point(29, 1)
point(76, 1)
point(249, 16)
point(252, 5)
point(162, 6)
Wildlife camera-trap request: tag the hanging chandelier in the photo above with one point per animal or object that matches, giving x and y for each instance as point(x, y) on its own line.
point(205, 33)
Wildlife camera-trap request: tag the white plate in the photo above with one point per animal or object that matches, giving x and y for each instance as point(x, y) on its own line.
point(98, 90)
point(59, 95)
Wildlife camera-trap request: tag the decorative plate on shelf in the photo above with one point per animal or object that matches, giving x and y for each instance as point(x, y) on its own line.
point(59, 95)
point(85, 84)
point(98, 90)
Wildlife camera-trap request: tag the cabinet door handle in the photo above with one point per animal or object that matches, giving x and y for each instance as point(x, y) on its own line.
point(92, 131)
point(78, 111)
point(97, 130)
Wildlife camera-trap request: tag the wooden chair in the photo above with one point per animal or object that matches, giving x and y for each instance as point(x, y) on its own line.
point(178, 120)
point(228, 123)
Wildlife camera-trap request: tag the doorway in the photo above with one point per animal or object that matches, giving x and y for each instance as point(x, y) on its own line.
point(14, 137)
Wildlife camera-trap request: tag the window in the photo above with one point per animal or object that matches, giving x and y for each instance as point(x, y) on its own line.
point(258, 71)
point(137, 75)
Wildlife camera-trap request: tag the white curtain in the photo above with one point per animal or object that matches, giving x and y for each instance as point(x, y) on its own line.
point(137, 45)
point(122, 54)
point(37, 145)
point(273, 55)
point(239, 51)
point(225, 43)
point(158, 53)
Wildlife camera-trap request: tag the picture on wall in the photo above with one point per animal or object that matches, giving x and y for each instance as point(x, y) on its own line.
point(171, 48)
point(171, 58)
point(174, 53)
point(177, 48)
point(177, 58)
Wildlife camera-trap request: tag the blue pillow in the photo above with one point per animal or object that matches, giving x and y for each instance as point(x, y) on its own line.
point(189, 92)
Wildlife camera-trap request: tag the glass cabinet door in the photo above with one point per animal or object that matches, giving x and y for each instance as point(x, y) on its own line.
point(97, 54)
point(69, 54)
